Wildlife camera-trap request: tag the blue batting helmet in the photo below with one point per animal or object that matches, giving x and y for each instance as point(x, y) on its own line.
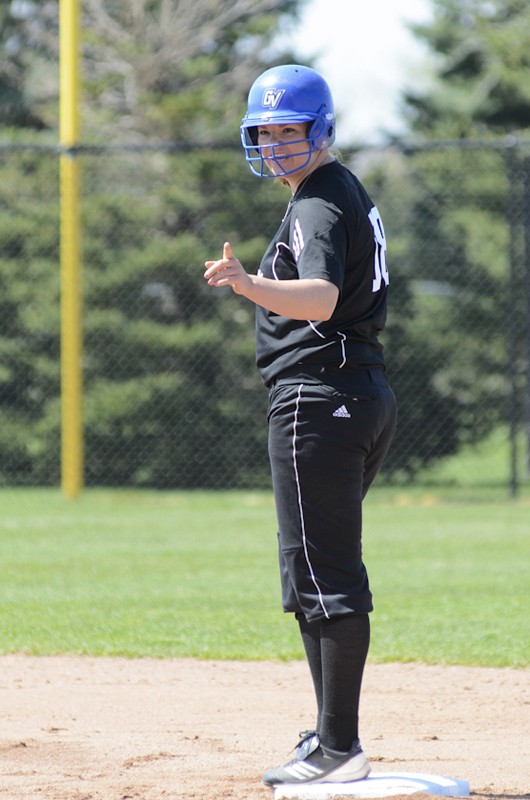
point(287, 94)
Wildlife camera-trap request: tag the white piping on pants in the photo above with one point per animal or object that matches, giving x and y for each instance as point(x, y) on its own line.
point(299, 494)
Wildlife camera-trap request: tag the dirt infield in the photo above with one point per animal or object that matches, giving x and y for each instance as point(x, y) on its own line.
point(116, 729)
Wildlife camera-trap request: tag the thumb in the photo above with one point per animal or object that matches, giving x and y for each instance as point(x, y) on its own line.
point(227, 250)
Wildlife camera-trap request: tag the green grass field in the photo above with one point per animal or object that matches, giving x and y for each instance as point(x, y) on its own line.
point(170, 574)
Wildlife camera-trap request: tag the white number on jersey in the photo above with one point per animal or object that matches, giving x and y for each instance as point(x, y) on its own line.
point(380, 268)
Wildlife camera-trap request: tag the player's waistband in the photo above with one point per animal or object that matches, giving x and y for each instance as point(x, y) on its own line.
point(332, 375)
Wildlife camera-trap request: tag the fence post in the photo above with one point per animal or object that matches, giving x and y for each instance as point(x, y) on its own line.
point(515, 216)
point(526, 224)
point(71, 336)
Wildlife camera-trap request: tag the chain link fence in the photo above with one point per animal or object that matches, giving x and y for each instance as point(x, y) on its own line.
point(172, 398)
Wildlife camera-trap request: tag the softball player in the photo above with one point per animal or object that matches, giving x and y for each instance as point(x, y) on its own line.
point(320, 296)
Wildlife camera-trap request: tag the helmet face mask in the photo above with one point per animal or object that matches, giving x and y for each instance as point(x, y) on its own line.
point(271, 160)
point(289, 94)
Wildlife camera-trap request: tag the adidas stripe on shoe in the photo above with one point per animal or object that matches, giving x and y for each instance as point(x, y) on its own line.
point(316, 764)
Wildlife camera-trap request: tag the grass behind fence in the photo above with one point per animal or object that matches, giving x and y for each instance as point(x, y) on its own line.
point(195, 574)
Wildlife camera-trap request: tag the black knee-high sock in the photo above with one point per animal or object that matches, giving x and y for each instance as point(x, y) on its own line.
point(344, 643)
point(311, 638)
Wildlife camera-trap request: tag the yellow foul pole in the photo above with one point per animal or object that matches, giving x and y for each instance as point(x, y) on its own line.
point(71, 336)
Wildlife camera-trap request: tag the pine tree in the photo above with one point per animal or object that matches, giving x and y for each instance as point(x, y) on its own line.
point(459, 247)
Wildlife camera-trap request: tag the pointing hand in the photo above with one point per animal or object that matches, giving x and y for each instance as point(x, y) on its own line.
point(227, 271)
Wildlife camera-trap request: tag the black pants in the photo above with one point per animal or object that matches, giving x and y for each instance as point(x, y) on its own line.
point(327, 442)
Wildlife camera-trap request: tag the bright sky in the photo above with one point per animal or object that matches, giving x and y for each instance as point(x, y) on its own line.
point(367, 54)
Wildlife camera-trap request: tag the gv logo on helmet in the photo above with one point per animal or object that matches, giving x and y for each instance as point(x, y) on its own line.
point(272, 97)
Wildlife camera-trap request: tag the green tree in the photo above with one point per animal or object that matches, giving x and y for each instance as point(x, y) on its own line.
point(184, 355)
point(29, 85)
point(15, 106)
point(157, 335)
point(29, 315)
point(455, 252)
point(172, 397)
point(481, 85)
point(173, 69)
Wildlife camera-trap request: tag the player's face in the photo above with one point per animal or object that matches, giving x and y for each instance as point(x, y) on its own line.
point(285, 147)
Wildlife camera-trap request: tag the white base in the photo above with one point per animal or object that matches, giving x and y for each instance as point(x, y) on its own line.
point(377, 784)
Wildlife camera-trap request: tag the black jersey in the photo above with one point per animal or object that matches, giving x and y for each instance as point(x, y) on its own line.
point(331, 230)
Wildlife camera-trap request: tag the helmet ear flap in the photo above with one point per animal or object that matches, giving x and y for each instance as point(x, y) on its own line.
point(322, 135)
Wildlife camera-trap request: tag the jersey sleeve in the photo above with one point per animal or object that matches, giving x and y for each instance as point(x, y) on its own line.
point(319, 240)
